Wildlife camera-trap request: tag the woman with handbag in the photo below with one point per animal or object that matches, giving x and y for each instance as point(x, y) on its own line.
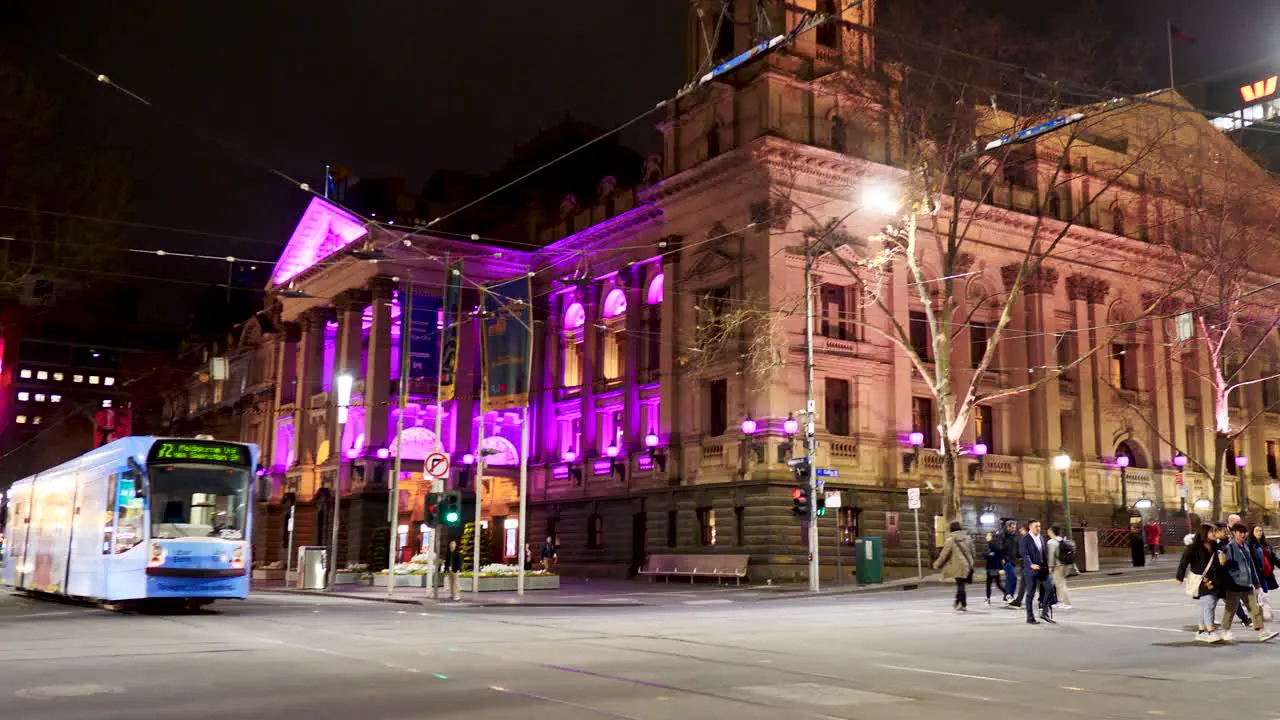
point(956, 563)
point(1265, 558)
point(1197, 572)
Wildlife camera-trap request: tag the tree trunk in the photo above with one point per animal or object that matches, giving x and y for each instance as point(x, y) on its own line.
point(1221, 442)
point(950, 481)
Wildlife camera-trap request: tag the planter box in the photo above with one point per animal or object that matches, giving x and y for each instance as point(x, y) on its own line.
point(269, 575)
point(349, 578)
point(416, 581)
point(508, 584)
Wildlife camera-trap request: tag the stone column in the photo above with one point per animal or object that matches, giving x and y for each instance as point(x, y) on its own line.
point(552, 374)
point(1030, 359)
point(377, 374)
point(899, 291)
point(591, 364)
point(632, 280)
point(350, 306)
point(1086, 294)
point(667, 428)
point(286, 387)
point(309, 371)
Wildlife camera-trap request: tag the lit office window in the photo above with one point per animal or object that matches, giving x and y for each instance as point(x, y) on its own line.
point(106, 403)
point(94, 379)
point(108, 381)
point(78, 378)
point(21, 419)
point(59, 376)
point(55, 398)
point(25, 374)
point(39, 397)
point(24, 396)
point(42, 375)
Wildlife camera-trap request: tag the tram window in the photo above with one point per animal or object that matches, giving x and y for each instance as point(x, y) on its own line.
point(191, 501)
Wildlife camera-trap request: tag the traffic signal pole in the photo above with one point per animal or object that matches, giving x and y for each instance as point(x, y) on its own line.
point(810, 440)
point(393, 487)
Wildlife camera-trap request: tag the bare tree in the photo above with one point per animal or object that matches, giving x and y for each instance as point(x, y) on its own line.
point(1221, 222)
point(954, 184)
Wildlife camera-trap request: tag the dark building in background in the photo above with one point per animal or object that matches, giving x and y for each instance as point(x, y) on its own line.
point(1250, 103)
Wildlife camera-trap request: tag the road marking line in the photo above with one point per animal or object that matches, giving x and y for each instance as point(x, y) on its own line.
point(588, 708)
point(706, 602)
point(1125, 627)
point(948, 674)
point(1123, 584)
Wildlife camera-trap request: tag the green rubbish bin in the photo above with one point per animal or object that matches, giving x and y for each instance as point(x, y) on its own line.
point(869, 555)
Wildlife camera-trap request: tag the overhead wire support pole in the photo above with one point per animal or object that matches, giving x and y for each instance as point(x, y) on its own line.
point(393, 487)
point(810, 439)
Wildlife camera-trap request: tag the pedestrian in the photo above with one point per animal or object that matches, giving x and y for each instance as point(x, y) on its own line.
point(1265, 559)
point(1240, 580)
point(995, 562)
point(1197, 571)
point(547, 553)
point(1035, 572)
point(1136, 545)
point(1021, 572)
point(1224, 537)
point(1012, 555)
point(453, 566)
point(1154, 532)
point(956, 563)
point(1058, 565)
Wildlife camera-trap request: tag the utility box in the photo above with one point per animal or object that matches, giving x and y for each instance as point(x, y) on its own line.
point(313, 567)
point(869, 555)
point(1086, 541)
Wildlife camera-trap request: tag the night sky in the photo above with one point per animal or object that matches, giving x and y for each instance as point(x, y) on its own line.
point(397, 88)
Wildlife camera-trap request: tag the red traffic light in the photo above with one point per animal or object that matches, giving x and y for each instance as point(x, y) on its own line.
point(797, 493)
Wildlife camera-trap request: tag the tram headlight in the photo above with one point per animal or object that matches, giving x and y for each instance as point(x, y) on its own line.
point(237, 557)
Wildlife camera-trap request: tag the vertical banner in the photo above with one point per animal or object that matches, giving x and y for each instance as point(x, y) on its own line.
point(507, 344)
point(449, 340)
point(424, 344)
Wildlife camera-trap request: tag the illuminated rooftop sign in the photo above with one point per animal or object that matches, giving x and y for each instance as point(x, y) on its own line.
point(1259, 89)
point(198, 451)
point(324, 230)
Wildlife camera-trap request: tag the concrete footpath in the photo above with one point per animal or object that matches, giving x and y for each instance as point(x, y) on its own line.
point(586, 592)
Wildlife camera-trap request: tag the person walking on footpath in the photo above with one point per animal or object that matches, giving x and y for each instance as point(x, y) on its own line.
point(995, 563)
point(956, 563)
point(1062, 554)
point(1224, 537)
point(1198, 573)
point(1240, 579)
point(1016, 602)
point(547, 553)
point(1137, 545)
point(1035, 572)
point(1153, 532)
point(1264, 558)
point(1010, 539)
point(453, 566)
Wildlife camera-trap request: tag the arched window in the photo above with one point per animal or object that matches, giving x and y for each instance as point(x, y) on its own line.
point(839, 134)
point(1136, 458)
point(615, 303)
point(651, 325)
point(724, 39)
point(575, 317)
point(614, 315)
point(828, 33)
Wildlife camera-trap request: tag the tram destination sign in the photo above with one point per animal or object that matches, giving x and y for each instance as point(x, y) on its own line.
point(199, 451)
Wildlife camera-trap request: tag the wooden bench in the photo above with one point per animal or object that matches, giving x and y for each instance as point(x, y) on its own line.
point(693, 567)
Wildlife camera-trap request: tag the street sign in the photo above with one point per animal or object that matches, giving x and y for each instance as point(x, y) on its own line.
point(833, 499)
point(913, 498)
point(437, 465)
point(827, 472)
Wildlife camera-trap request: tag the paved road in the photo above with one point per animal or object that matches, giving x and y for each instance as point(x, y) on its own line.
point(1123, 653)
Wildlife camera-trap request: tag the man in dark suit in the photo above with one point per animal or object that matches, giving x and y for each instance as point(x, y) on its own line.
point(1035, 570)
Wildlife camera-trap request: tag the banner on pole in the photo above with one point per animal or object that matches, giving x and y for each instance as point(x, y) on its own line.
point(507, 344)
point(449, 339)
point(424, 343)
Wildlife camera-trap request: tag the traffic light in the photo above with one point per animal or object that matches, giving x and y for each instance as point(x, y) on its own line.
point(800, 502)
point(431, 513)
point(822, 504)
point(451, 508)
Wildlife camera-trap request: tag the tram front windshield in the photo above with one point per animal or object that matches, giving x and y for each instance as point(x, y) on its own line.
point(198, 501)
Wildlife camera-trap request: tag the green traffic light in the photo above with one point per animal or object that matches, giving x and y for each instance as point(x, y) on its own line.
point(451, 517)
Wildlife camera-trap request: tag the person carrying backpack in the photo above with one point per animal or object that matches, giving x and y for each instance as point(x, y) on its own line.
point(1062, 555)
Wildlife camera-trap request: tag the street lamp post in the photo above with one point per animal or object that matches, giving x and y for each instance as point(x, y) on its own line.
point(1122, 462)
point(1180, 463)
point(1062, 463)
point(343, 383)
point(1241, 462)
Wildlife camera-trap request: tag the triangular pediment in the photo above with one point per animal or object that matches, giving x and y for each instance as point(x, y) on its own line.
point(324, 229)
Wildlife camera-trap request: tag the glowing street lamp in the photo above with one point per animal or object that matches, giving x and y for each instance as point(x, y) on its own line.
point(1122, 462)
point(749, 426)
point(916, 439)
point(879, 197)
point(1062, 463)
point(790, 425)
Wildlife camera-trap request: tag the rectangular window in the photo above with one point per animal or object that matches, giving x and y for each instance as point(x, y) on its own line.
point(837, 407)
point(922, 419)
point(1062, 346)
point(649, 417)
point(848, 525)
point(616, 432)
point(984, 427)
point(612, 356)
point(1270, 397)
point(1184, 326)
point(837, 312)
point(919, 330)
point(1122, 375)
point(653, 338)
point(553, 531)
point(595, 531)
point(570, 435)
point(572, 363)
point(979, 336)
point(718, 407)
point(1271, 459)
point(740, 525)
point(673, 530)
point(706, 526)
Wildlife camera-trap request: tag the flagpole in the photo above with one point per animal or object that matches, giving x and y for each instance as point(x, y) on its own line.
point(444, 313)
point(524, 461)
point(1168, 36)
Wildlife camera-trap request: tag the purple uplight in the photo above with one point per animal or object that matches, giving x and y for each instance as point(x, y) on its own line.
point(615, 303)
point(569, 456)
point(654, 294)
point(611, 451)
point(1122, 461)
point(749, 426)
point(790, 425)
point(383, 453)
point(1179, 461)
point(352, 453)
point(323, 230)
point(651, 440)
point(468, 459)
point(979, 449)
point(916, 438)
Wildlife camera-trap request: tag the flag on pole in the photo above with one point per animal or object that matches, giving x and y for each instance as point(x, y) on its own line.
point(1177, 33)
point(449, 337)
point(506, 341)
